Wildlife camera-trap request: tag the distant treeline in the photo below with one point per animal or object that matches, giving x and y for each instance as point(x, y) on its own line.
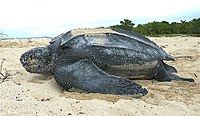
point(191, 28)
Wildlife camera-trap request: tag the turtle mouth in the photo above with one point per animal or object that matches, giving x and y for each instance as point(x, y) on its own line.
point(37, 60)
point(35, 66)
point(30, 68)
point(27, 68)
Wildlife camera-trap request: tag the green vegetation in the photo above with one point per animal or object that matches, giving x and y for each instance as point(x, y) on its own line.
point(190, 28)
point(125, 25)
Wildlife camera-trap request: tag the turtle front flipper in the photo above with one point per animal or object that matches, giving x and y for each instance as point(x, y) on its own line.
point(85, 75)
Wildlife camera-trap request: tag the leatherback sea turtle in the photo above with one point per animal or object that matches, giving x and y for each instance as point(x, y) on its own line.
point(101, 61)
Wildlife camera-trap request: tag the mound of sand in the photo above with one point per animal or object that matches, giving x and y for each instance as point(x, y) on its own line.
point(23, 93)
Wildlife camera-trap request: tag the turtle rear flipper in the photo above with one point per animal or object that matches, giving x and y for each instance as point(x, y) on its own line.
point(169, 68)
point(163, 72)
point(85, 75)
point(176, 77)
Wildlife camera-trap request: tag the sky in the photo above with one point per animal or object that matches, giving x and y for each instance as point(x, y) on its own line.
point(39, 18)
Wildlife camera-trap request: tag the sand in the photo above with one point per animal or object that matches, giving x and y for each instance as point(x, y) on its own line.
point(23, 93)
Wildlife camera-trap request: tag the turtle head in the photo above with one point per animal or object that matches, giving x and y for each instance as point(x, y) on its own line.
point(37, 60)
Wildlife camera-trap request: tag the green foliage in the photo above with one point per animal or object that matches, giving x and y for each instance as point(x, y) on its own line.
point(125, 24)
point(162, 28)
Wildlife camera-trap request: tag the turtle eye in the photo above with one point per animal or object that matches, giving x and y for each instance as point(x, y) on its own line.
point(31, 56)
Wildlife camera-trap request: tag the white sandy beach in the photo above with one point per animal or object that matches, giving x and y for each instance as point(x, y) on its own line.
point(32, 94)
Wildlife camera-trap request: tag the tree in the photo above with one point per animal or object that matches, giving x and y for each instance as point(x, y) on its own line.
point(195, 24)
point(164, 27)
point(125, 25)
